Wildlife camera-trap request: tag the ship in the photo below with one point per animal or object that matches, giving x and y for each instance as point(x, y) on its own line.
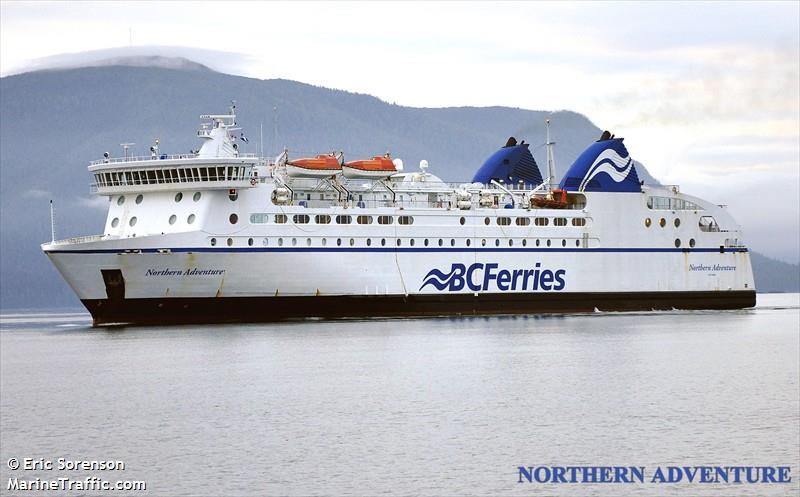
point(218, 235)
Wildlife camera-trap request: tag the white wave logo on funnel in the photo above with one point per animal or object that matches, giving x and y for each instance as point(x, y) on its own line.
point(610, 162)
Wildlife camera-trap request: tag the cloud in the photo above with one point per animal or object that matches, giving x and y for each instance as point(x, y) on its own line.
point(37, 193)
point(95, 202)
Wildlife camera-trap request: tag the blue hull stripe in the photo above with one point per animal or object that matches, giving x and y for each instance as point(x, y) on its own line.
point(395, 249)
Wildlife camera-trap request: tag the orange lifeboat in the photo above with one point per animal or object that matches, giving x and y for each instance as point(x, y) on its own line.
point(322, 166)
point(557, 199)
point(376, 168)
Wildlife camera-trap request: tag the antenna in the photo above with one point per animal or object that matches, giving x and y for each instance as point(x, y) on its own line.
point(125, 147)
point(275, 127)
point(551, 168)
point(52, 222)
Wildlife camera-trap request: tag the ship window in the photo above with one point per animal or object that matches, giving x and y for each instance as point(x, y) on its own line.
point(578, 221)
point(139, 198)
point(230, 242)
point(563, 243)
point(265, 242)
point(486, 221)
point(132, 222)
point(308, 241)
point(259, 218)
point(677, 222)
point(160, 176)
point(343, 219)
point(441, 242)
point(280, 218)
point(383, 242)
point(369, 242)
point(662, 222)
point(541, 221)
point(523, 221)
point(249, 242)
point(708, 224)
point(469, 242)
point(338, 241)
point(182, 174)
point(647, 222)
point(172, 219)
point(294, 242)
point(178, 197)
point(503, 221)
point(233, 194)
point(524, 242)
point(399, 242)
point(280, 242)
point(324, 242)
point(213, 242)
point(510, 242)
point(385, 219)
point(677, 242)
point(405, 220)
point(452, 242)
point(548, 242)
point(462, 221)
point(300, 219)
point(425, 242)
point(233, 218)
point(577, 243)
point(537, 242)
point(364, 219)
point(322, 219)
point(691, 242)
point(560, 221)
point(190, 219)
point(411, 242)
point(483, 242)
point(196, 196)
point(121, 200)
point(115, 222)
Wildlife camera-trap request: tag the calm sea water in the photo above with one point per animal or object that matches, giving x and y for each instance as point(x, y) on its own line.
point(405, 407)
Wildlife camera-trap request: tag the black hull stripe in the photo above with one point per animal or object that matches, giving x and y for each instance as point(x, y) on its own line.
point(266, 309)
point(395, 249)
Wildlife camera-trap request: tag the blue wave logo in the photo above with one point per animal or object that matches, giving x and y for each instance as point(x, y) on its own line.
point(438, 279)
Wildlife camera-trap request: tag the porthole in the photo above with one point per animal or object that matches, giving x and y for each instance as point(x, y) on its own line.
point(364, 219)
point(172, 219)
point(190, 219)
point(280, 242)
point(233, 195)
point(405, 220)
point(115, 222)
point(213, 242)
point(324, 242)
point(133, 220)
point(411, 242)
point(308, 242)
point(452, 242)
point(441, 242)
point(691, 242)
point(578, 221)
point(496, 242)
point(483, 242)
point(662, 222)
point(426, 242)
point(300, 219)
point(139, 198)
point(677, 242)
point(265, 242)
point(294, 242)
point(577, 243)
point(178, 197)
point(462, 221)
point(249, 242)
point(338, 242)
point(677, 222)
point(523, 221)
point(469, 242)
point(233, 218)
point(369, 242)
point(280, 218)
point(486, 221)
point(399, 242)
point(647, 222)
point(230, 242)
point(524, 242)
point(352, 242)
point(537, 242)
point(548, 242)
point(510, 242)
point(383, 242)
point(196, 196)
point(563, 243)
point(121, 200)
point(322, 219)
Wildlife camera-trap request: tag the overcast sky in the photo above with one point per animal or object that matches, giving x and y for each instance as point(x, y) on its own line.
point(707, 95)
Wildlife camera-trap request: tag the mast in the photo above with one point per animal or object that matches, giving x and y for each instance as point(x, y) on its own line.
point(551, 167)
point(52, 222)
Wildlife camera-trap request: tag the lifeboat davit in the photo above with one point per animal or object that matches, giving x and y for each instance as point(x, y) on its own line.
point(375, 168)
point(557, 199)
point(322, 166)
